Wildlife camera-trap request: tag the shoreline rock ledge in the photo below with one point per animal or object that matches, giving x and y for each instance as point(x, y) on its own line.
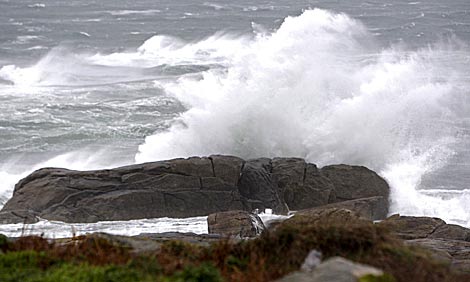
point(196, 186)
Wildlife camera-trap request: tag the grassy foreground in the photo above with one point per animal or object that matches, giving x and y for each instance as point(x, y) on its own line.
point(271, 256)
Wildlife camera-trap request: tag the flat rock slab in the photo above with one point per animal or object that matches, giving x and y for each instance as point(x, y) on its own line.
point(188, 187)
point(411, 227)
point(372, 208)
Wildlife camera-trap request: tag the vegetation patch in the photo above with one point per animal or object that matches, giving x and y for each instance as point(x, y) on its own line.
point(272, 255)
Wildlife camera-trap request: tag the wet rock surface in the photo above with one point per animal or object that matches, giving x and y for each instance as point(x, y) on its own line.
point(191, 187)
point(239, 224)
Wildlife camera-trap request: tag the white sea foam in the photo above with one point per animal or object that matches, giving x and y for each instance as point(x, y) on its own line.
point(62, 67)
point(57, 229)
point(37, 5)
point(215, 6)
point(84, 33)
point(319, 88)
point(26, 38)
point(134, 12)
point(162, 49)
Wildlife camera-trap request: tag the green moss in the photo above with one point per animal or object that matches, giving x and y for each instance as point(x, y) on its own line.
point(374, 278)
point(31, 266)
point(233, 262)
point(87, 273)
point(21, 266)
point(205, 272)
point(3, 241)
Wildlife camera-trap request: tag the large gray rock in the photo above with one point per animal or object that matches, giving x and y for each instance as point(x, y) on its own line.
point(301, 185)
point(447, 242)
point(182, 188)
point(325, 216)
point(176, 188)
point(354, 182)
point(411, 227)
point(455, 252)
point(372, 208)
point(240, 224)
point(256, 183)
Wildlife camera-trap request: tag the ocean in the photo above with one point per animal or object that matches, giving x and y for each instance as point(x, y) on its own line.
point(98, 84)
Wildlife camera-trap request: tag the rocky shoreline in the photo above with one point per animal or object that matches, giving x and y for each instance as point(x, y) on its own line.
point(339, 231)
point(192, 187)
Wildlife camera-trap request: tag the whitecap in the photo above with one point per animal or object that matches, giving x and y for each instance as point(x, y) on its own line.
point(37, 5)
point(319, 89)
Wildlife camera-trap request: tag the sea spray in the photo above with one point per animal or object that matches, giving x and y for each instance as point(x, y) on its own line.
point(320, 89)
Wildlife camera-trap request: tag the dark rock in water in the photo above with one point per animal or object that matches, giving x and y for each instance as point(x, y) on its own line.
point(300, 184)
point(256, 183)
point(185, 188)
point(354, 182)
point(372, 208)
point(240, 224)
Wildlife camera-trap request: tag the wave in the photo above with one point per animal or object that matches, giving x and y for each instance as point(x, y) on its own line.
point(62, 66)
point(320, 88)
point(169, 50)
point(134, 12)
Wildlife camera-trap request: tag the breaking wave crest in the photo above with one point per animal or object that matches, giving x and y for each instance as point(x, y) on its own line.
point(321, 89)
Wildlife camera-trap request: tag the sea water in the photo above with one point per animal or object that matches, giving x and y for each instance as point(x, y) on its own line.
point(98, 84)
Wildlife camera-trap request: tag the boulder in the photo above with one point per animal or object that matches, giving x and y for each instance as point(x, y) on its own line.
point(457, 249)
point(337, 269)
point(18, 216)
point(355, 182)
point(239, 224)
point(188, 187)
point(454, 251)
point(300, 184)
point(330, 215)
point(452, 232)
point(373, 208)
point(176, 188)
point(256, 184)
point(410, 227)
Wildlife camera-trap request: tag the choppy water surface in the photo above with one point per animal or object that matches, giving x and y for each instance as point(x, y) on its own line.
point(94, 84)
